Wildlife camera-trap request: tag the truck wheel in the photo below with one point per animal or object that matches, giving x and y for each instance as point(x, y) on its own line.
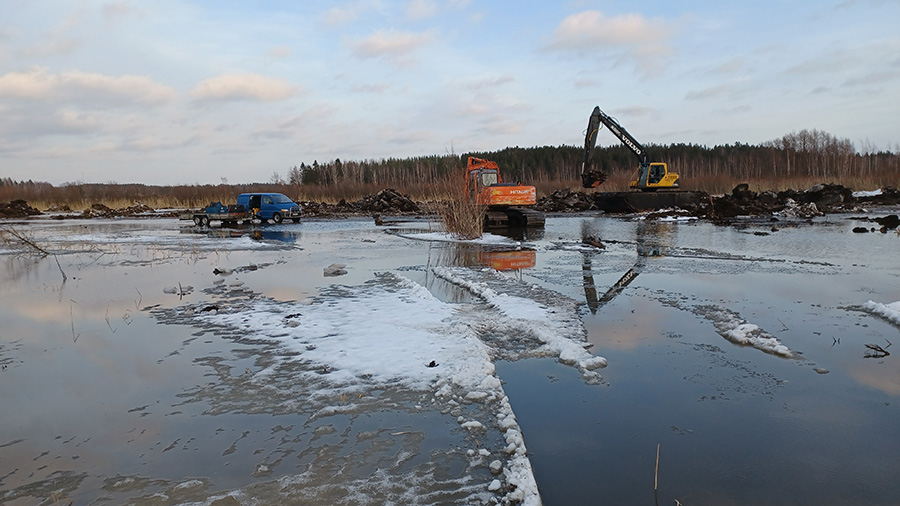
point(204, 221)
point(277, 218)
point(197, 221)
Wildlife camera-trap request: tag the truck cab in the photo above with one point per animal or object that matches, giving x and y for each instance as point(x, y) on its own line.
point(270, 206)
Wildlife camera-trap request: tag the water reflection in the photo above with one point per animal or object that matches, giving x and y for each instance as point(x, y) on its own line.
point(477, 255)
point(255, 233)
point(519, 233)
point(652, 239)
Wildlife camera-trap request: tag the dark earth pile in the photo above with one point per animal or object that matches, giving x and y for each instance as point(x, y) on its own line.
point(387, 201)
point(817, 200)
point(102, 211)
point(17, 209)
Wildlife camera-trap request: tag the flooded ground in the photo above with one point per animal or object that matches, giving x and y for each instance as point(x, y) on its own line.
point(151, 362)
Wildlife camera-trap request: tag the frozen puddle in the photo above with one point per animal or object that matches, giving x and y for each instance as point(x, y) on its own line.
point(389, 344)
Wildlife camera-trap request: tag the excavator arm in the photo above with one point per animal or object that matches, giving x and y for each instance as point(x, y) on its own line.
point(591, 178)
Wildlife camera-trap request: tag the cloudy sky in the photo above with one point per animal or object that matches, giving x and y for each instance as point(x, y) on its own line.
point(194, 91)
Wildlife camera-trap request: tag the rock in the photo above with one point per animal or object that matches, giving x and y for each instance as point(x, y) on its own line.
point(335, 270)
point(889, 222)
point(827, 196)
point(794, 210)
point(742, 192)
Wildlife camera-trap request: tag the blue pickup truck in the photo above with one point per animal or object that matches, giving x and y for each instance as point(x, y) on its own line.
point(262, 206)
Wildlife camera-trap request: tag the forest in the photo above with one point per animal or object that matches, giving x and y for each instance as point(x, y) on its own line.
point(796, 160)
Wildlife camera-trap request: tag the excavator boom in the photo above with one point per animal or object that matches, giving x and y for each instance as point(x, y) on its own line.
point(650, 175)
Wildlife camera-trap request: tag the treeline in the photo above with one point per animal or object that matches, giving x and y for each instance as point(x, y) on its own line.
point(808, 154)
point(794, 160)
point(82, 195)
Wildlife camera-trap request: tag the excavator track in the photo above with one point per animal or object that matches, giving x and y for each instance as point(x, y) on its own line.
point(513, 217)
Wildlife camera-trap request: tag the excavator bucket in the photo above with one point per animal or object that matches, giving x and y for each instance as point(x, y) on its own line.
point(593, 178)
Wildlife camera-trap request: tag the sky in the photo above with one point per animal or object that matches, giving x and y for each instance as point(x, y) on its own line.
point(176, 92)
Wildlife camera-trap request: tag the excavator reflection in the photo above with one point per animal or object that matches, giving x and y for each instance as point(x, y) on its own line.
point(650, 243)
point(513, 260)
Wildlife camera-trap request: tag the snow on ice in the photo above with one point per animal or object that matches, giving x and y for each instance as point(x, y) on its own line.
point(889, 311)
point(393, 334)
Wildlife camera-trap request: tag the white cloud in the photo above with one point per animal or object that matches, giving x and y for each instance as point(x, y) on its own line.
point(39, 83)
point(395, 47)
point(489, 82)
point(279, 52)
point(418, 10)
point(343, 14)
point(244, 87)
point(641, 38)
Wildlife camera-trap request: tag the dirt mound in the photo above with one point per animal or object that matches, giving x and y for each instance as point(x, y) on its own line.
point(103, 211)
point(17, 209)
point(565, 201)
point(817, 200)
point(387, 201)
point(885, 197)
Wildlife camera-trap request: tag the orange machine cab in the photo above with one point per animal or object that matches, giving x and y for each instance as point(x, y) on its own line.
point(485, 186)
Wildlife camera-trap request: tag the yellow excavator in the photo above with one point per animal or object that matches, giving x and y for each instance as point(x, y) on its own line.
point(650, 176)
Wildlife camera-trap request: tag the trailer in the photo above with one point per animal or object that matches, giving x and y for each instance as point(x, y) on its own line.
point(250, 206)
point(228, 215)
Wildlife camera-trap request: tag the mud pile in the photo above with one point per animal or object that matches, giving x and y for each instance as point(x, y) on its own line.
point(17, 209)
point(565, 200)
point(102, 211)
point(387, 201)
point(815, 201)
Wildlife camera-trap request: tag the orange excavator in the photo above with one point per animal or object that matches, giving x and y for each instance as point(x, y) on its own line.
point(504, 201)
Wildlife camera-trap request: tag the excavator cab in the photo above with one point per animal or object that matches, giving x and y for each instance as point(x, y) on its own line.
point(653, 176)
point(485, 186)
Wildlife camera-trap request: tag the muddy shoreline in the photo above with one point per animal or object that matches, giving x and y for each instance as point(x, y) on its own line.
point(815, 201)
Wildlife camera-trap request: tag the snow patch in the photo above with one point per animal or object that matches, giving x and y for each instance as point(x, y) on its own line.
point(739, 331)
point(889, 311)
point(529, 312)
point(391, 334)
point(869, 193)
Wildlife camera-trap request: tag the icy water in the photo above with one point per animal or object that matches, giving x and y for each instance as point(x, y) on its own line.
point(182, 366)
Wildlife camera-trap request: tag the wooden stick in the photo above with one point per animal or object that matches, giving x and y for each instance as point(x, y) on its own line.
point(656, 474)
